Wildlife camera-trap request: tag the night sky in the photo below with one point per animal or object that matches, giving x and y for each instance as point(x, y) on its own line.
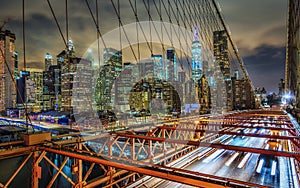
point(258, 27)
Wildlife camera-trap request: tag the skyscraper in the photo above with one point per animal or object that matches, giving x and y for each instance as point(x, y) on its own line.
point(197, 64)
point(203, 92)
point(221, 53)
point(241, 91)
point(81, 99)
point(52, 88)
point(72, 78)
point(123, 85)
point(48, 61)
point(222, 60)
point(48, 88)
point(7, 49)
point(60, 58)
point(29, 95)
point(171, 65)
point(16, 70)
point(37, 78)
point(108, 73)
point(158, 65)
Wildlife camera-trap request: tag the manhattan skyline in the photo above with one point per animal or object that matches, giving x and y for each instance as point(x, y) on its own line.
point(258, 30)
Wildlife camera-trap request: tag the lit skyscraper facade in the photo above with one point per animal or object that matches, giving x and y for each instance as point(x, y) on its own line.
point(70, 78)
point(197, 66)
point(123, 85)
point(241, 92)
point(60, 58)
point(171, 65)
point(21, 87)
point(52, 80)
point(52, 88)
point(16, 70)
point(150, 96)
point(203, 92)
point(37, 78)
point(81, 87)
point(221, 53)
point(28, 95)
point(222, 61)
point(108, 73)
point(71, 46)
point(48, 61)
point(8, 92)
point(158, 65)
point(48, 88)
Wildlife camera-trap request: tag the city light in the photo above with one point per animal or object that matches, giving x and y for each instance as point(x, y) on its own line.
point(244, 160)
point(149, 94)
point(213, 156)
point(232, 158)
point(273, 169)
point(260, 165)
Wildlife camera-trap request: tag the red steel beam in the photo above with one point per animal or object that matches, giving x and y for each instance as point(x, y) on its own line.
point(222, 122)
point(213, 145)
point(16, 152)
point(12, 143)
point(260, 122)
point(243, 126)
point(232, 133)
point(188, 177)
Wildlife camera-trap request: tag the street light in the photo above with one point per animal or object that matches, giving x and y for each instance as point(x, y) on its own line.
point(286, 99)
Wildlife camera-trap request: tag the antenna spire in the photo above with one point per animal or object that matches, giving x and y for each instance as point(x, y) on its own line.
point(196, 34)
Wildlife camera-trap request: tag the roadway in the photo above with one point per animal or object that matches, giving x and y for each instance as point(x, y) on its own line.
point(248, 167)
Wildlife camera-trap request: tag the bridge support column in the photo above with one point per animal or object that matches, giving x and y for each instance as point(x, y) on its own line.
point(150, 153)
point(132, 140)
point(110, 143)
point(164, 149)
point(36, 169)
point(111, 171)
point(79, 167)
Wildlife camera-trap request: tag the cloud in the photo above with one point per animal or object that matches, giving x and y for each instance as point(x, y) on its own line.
point(266, 67)
point(258, 27)
point(255, 23)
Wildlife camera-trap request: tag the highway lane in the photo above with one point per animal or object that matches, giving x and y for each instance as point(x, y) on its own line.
point(230, 164)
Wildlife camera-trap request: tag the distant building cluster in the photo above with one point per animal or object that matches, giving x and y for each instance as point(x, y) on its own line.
point(155, 86)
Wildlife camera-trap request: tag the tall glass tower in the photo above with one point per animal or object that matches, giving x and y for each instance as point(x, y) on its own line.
point(197, 66)
point(171, 65)
point(48, 61)
point(7, 92)
point(108, 73)
point(158, 67)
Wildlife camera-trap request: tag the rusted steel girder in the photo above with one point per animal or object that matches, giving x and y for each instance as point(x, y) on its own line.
point(185, 177)
point(16, 152)
point(239, 126)
point(231, 133)
point(219, 146)
point(239, 120)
